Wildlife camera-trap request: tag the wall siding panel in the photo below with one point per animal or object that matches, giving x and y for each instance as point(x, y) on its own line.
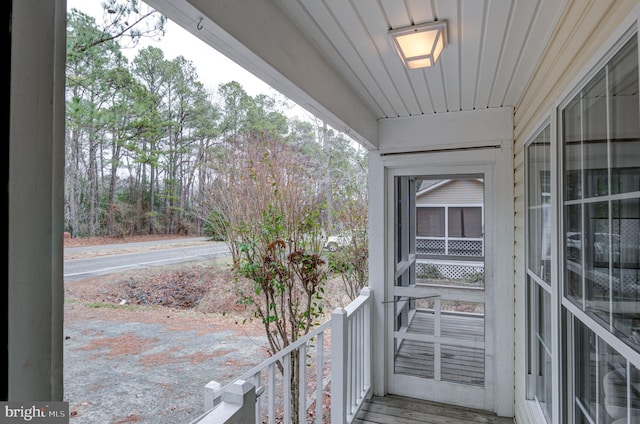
point(454, 193)
point(581, 32)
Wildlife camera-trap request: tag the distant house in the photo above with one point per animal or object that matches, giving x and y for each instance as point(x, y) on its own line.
point(449, 226)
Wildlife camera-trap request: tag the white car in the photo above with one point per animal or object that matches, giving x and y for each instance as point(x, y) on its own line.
point(343, 239)
point(333, 243)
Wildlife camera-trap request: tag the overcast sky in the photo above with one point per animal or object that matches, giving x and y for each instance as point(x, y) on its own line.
point(178, 41)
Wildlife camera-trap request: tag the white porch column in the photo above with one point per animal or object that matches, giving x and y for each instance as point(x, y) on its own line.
point(377, 270)
point(35, 192)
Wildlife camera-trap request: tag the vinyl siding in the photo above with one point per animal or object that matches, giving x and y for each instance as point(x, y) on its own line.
point(581, 32)
point(460, 192)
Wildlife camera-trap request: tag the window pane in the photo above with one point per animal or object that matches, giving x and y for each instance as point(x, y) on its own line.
point(465, 222)
point(456, 222)
point(625, 253)
point(596, 260)
point(586, 379)
point(612, 380)
point(543, 341)
point(539, 161)
point(581, 418)
point(539, 242)
point(601, 377)
point(603, 390)
point(572, 157)
point(472, 222)
point(543, 383)
point(544, 317)
point(430, 221)
point(625, 120)
point(539, 197)
point(404, 218)
point(594, 104)
point(573, 253)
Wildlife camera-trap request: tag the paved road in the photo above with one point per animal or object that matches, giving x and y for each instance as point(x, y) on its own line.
point(160, 253)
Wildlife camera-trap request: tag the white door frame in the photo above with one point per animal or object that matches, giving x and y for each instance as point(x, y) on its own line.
point(498, 158)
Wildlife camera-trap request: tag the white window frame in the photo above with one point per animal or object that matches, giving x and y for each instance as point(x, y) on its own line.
point(551, 287)
point(600, 331)
point(563, 310)
point(566, 307)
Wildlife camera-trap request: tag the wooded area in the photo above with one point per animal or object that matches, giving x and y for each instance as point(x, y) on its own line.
point(146, 142)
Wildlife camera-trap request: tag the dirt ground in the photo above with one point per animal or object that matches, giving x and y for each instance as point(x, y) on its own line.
point(98, 241)
point(140, 346)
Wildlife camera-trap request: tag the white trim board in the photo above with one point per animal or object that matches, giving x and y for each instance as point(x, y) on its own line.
point(467, 129)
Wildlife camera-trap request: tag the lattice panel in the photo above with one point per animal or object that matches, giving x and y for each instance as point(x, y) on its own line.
point(629, 240)
point(469, 273)
point(627, 285)
point(465, 247)
point(430, 247)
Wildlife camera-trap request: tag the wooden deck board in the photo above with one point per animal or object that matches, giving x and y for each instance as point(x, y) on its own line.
point(450, 325)
point(458, 364)
point(393, 409)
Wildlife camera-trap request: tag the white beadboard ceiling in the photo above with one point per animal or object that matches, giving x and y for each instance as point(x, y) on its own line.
point(493, 48)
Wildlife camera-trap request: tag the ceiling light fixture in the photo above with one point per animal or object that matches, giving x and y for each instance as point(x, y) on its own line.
point(419, 46)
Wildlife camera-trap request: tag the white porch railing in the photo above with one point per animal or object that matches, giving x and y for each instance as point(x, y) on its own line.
point(350, 375)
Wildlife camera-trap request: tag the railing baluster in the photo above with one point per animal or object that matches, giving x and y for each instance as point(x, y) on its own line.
point(350, 361)
point(272, 393)
point(354, 362)
point(287, 388)
point(319, 377)
point(358, 359)
point(302, 384)
point(437, 353)
point(363, 347)
point(258, 384)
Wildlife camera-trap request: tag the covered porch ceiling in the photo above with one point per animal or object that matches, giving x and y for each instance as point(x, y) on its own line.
point(334, 57)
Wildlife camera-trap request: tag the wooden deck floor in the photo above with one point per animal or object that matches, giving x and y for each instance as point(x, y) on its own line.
point(402, 410)
point(458, 364)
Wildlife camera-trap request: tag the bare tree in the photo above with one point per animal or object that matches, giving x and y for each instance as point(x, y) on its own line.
point(351, 260)
point(270, 206)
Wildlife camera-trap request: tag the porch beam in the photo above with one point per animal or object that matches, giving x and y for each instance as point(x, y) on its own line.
point(460, 130)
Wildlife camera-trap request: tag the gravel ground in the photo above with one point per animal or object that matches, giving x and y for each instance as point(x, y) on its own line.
point(150, 365)
point(147, 363)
